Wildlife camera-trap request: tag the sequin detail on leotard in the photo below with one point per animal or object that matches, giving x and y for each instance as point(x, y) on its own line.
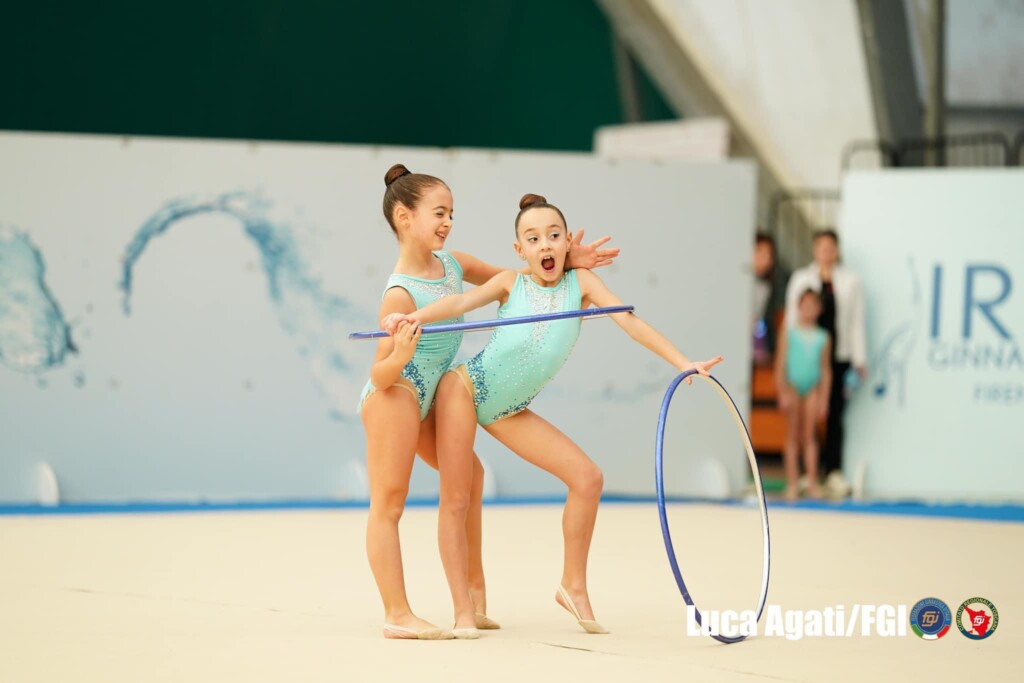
point(434, 352)
point(520, 359)
point(412, 373)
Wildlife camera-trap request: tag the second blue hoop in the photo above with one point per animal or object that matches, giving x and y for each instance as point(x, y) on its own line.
point(660, 484)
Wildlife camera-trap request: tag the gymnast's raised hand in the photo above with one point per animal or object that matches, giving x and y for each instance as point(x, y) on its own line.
point(588, 255)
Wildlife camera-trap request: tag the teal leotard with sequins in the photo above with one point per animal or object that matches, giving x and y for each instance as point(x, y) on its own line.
point(434, 352)
point(520, 359)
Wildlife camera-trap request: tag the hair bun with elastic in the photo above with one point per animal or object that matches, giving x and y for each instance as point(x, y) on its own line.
point(395, 172)
point(530, 200)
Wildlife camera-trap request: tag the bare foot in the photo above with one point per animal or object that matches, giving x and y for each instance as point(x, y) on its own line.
point(792, 493)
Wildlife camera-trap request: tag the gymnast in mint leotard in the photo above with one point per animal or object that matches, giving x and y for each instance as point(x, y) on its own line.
point(520, 359)
point(804, 346)
point(803, 375)
point(435, 352)
point(496, 386)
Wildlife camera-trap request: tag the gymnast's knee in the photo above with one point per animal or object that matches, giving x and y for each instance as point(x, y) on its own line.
point(588, 482)
point(454, 504)
point(389, 504)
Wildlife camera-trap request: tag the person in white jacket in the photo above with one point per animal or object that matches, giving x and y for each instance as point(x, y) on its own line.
point(842, 316)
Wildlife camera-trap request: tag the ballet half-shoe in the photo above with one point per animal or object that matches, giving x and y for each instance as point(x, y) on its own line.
point(485, 623)
point(465, 633)
point(401, 633)
point(589, 625)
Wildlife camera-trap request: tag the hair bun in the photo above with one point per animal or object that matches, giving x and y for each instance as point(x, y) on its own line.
point(530, 200)
point(395, 172)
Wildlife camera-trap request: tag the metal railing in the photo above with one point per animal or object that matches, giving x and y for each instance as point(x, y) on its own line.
point(975, 149)
point(868, 154)
point(967, 150)
point(795, 215)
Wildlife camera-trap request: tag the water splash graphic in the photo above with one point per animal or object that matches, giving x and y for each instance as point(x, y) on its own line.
point(891, 363)
point(318, 320)
point(33, 333)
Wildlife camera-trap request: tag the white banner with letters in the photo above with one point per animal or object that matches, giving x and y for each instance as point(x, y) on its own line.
point(941, 256)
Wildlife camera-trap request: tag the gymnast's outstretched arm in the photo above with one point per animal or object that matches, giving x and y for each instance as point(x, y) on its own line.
point(495, 289)
point(595, 292)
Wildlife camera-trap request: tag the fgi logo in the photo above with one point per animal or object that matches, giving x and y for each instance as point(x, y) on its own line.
point(972, 325)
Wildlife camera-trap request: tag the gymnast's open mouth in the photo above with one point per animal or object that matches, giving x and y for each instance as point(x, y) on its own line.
point(548, 264)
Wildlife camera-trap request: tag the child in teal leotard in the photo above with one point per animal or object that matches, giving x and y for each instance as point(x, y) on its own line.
point(496, 386)
point(803, 374)
point(395, 406)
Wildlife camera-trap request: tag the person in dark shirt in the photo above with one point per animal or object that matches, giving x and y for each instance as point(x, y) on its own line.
point(768, 298)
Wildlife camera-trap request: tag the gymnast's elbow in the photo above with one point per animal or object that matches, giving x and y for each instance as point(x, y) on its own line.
point(384, 374)
point(462, 305)
point(381, 380)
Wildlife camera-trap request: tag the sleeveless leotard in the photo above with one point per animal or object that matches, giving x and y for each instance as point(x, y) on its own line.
point(803, 357)
point(435, 352)
point(520, 359)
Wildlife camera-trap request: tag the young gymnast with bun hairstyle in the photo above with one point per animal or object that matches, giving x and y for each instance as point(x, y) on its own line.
point(495, 388)
point(395, 405)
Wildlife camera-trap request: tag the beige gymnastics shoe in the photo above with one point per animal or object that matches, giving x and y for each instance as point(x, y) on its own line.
point(589, 625)
point(485, 623)
point(401, 633)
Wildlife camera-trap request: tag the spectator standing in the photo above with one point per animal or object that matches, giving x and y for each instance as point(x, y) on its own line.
point(842, 316)
point(768, 298)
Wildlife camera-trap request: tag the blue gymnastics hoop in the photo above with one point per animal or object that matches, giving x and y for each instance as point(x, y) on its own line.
point(660, 483)
point(478, 325)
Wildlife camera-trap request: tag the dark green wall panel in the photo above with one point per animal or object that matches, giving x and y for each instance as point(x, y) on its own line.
point(489, 73)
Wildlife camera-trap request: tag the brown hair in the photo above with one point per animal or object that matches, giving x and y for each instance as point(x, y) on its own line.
point(809, 292)
point(536, 201)
point(405, 187)
point(827, 232)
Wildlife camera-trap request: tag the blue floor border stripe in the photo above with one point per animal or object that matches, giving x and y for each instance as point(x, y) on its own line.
point(980, 512)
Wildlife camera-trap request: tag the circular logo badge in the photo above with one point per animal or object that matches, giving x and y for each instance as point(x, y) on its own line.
point(977, 618)
point(931, 618)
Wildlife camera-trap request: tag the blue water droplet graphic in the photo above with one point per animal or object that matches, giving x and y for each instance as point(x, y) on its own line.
point(34, 336)
point(319, 321)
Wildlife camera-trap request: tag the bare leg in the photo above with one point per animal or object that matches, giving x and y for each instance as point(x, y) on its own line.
point(391, 418)
point(427, 450)
point(540, 443)
point(456, 431)
point(808, 426)
point(791, 449)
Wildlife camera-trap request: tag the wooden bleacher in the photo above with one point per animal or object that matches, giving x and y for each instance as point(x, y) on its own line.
point(767, 423)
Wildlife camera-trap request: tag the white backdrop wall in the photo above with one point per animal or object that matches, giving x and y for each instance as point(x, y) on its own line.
point(232, 376)
point(941, 254)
